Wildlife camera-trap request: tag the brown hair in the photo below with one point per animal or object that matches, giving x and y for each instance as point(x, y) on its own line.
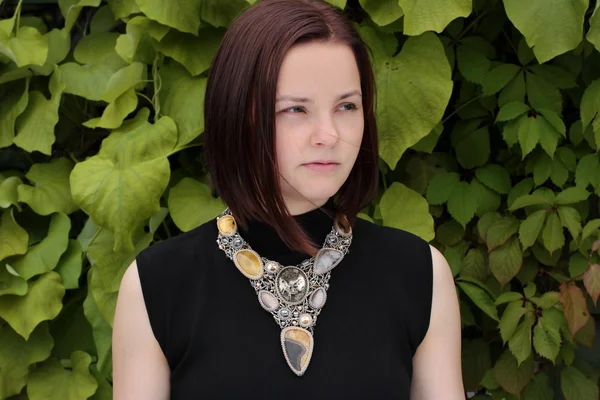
point(239, 113)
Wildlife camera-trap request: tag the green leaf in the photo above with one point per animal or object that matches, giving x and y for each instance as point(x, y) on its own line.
point(462, 203)
point(540, 388)
point(542, 169)
point(123, 80)
point(530, 228)
point(555, 120)
point(476, 361)
point(403, 208)
point(546, 339)
point(587, 334)
point(338, 3)
point(35, 127)
point(520, 189)
point(487, 199)
point(472, 64)
point(514, 91)
point(590, 105)
point(542, 94)
point(550, 31)
point(17, 354)
point(42, 302)
point(590, 228)
point(418, 17)
point(548, 300)
point(473, 149)
point(480, 297)
point(510, 319)
point(529, 130)
point(15, 97)
point(555, 75)
point(70, 265)
point(500, 231)
point(114, 114)
point(572, 195)
point(441, 187)
point(588, 171)
point(520, 342)
point(51, 380)
point(574, 307)
point(450, 233)
point(560, 173)
point(495, 177)
point(182, 99)
point(70, 9)
point(195, 53)
point(181, 15)
point(86, 81)
point(420, 75)
point(512, 377)
point(591, 280)
point(512, 110)
point(120, 187)
point(382, 12)
point(529, 200)
point(13, 238)
point(474, 265)
point(485, 222)
point(101, 331)
point(498, 78)
point(575, 385)
point(44, 256)
point(508, 297)
point(570, 219)
point(220, 13)
point(51, 191)
point(123, 8)
point(105, 299)
point(506, 261)
point(553, 235)
point(191, 204)
point(593, 35)
point(27, 47)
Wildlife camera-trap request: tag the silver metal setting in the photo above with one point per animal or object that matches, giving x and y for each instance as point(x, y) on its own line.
point(295, 292)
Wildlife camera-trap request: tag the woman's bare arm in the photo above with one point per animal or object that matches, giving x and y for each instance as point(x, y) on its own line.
point(437, 372)
point(140, 369)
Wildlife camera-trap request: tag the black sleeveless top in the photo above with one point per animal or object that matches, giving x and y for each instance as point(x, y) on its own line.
point(220, 343)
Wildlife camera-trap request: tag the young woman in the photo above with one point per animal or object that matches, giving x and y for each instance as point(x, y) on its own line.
point(287, 295)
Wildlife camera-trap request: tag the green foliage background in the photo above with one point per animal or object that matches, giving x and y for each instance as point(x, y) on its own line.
point(489, 118)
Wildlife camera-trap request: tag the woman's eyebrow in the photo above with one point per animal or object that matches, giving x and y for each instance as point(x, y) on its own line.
point(307, 100)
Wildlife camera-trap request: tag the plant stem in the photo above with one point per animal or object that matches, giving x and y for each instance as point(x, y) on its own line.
point(461, 107)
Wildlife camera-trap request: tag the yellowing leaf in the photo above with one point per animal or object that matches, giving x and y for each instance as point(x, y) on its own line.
point(591, 279)
point(432, 15)
point(574, 307)
point(413, 90)
point(405, 209)
point(549, 30)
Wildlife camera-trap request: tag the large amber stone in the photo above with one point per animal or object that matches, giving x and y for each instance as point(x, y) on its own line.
point(297, 347)
point(227, 225)
point(249, 263)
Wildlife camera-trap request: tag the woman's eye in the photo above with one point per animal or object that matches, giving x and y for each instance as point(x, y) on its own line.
point(294, 110)
point(350, 106)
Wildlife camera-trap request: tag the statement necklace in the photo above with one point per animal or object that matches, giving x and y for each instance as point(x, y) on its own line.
point(294, 295)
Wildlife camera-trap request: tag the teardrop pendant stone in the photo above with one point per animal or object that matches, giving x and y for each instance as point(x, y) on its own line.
point(317, 298)
point(297, 346)
point(326, 260)
point(249, 263)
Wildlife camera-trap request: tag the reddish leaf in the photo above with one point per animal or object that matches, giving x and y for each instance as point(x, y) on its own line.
point(591, 280)
point(596, 245)
point(574, 307)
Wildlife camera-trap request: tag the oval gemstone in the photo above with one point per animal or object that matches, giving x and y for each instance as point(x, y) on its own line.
point(267, 301)
point(292, 285)
point(317, 298)
point(227, 225)
point(249, 263)
point(297, 346)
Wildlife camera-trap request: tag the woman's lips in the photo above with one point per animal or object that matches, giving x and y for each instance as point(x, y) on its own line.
point(322, 166)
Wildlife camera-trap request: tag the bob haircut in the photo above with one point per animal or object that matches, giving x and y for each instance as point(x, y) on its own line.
point(239, 114)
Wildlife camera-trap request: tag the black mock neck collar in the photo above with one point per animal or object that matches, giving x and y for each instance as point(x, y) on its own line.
point(264, 240)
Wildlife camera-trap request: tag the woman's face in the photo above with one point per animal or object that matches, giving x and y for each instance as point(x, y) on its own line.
point(319, 122)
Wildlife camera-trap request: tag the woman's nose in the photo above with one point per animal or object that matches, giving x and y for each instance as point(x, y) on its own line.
point(325, 132)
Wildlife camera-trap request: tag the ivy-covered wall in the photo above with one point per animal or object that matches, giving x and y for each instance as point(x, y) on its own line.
point(489, 123)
